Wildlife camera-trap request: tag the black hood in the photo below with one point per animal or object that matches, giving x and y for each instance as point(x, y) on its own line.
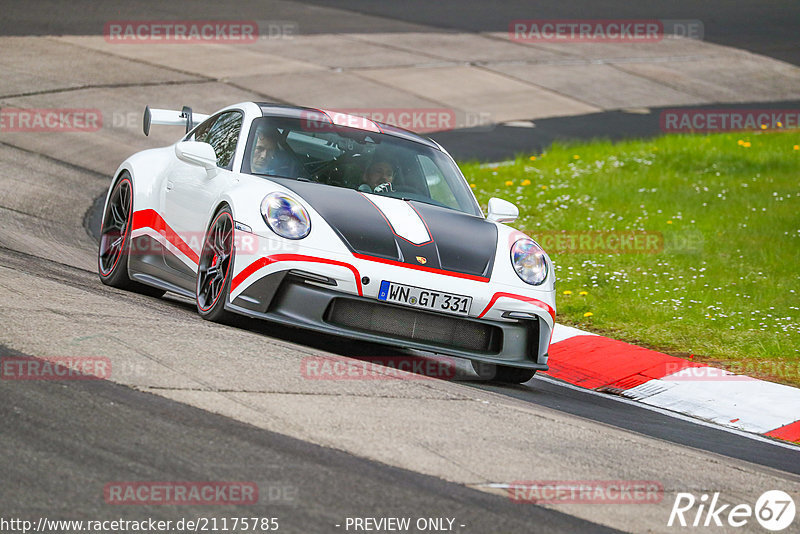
point(460, 243)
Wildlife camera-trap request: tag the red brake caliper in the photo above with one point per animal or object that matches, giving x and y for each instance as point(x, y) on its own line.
point(213, 264)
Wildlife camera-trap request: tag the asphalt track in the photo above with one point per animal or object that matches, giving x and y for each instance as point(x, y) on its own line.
point(501, 142)
point(766, 28)
point(769, 29)
point(62, 440)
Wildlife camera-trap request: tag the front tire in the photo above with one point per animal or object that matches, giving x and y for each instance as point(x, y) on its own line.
point(214, 268)
point(503, 373)
point(115, 240)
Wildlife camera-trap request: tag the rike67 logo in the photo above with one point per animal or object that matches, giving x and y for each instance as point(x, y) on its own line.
point(774, 510)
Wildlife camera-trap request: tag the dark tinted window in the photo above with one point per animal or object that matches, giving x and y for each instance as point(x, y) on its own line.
point(223, 136)
point(371, 162)
point(202, 131)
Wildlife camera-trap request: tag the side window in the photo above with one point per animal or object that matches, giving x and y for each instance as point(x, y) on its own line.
point(437, 185)
point(201, 133)
point(223, 136)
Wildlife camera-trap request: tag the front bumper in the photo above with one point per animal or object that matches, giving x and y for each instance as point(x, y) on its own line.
point(309, 300)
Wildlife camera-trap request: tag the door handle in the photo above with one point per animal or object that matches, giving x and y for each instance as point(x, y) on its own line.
point(170, 185)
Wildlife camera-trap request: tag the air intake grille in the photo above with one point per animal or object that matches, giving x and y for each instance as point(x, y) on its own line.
point(414, 325)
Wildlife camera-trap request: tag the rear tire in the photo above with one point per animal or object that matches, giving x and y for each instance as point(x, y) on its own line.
point(115, 241)
point(503, 373)
point(214, 268)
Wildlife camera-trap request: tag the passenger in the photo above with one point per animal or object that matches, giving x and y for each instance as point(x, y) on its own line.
point(378, 177)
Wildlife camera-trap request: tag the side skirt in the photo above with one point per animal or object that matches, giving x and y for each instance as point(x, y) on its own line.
point(146, 265)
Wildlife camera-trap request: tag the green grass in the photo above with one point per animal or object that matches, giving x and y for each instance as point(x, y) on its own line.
point(723, 289)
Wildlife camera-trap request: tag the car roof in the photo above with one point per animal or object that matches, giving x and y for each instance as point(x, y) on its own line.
point(269, 109)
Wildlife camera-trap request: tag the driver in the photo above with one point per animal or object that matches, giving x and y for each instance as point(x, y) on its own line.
point(378, 177)
point(268, 158)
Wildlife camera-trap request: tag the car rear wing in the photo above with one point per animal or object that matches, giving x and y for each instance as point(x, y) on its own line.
point(169, 117)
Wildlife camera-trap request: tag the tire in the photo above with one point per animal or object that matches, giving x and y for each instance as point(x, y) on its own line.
point(214, 268)
point(503, 373)
point(115, 242)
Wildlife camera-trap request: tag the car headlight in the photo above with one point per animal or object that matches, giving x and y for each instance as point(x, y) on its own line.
point(529, 261)
point(285, 216)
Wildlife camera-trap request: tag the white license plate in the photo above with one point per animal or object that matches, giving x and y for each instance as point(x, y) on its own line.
point(424, 298)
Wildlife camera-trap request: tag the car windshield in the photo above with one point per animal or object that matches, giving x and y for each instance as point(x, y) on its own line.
point(366, 161)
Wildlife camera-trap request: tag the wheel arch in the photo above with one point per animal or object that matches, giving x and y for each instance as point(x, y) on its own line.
point(145, 169)
point(120, 172)
point(222, 203)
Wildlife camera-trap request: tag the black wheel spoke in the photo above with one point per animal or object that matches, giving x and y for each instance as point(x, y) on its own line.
point(112, 249)
point(107, 244)
point(218, 243)
point(202, 280)
point(214, 248)
point(117, 218)
point(221, 238)
point(125, 201)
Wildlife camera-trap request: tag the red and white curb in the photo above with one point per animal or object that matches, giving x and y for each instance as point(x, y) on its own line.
point(695, 389)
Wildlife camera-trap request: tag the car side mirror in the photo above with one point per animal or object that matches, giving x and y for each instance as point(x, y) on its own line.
point(502, 211)
point(197, 153)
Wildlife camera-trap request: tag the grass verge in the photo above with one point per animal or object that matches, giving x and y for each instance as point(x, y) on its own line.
point(714, 274)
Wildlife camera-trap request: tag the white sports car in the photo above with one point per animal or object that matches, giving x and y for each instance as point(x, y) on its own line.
point(334, 223)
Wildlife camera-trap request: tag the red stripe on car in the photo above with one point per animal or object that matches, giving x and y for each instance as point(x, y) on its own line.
point(151, 219)
point(420, 268)
point(269, 260)
point(535, 302)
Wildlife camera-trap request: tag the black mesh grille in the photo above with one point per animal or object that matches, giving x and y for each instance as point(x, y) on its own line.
point(414, 325)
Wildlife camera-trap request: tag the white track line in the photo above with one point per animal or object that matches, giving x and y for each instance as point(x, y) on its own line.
point(756, 437)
